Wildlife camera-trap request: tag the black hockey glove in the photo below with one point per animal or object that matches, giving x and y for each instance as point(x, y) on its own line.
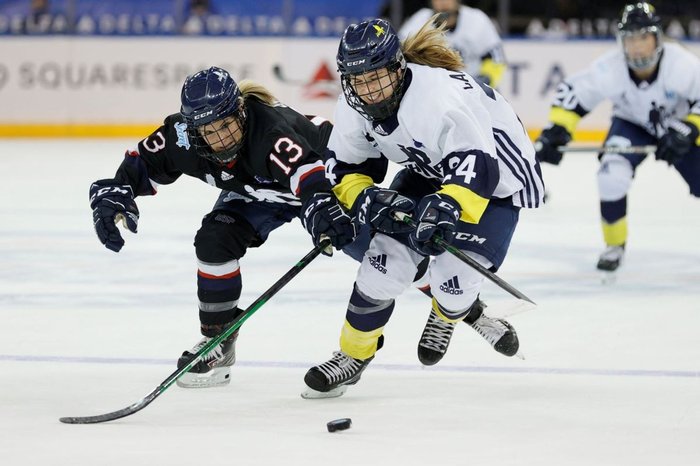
point(677, 142)
point(322, 216)
point(112, 202)
point(437, 216)
point(546, 145)
point(376, 207)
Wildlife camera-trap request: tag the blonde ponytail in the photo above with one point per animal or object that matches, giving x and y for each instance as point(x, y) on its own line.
point(429, 47)
point(252, 89)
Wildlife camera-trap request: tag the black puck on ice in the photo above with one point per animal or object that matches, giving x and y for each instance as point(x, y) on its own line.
point(339, 424)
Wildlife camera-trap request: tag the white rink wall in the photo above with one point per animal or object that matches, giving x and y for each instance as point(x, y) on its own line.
point(125, 84)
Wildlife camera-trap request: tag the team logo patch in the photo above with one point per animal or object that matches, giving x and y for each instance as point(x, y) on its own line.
point(451, 286)
point(182, 139)
point(378, 30)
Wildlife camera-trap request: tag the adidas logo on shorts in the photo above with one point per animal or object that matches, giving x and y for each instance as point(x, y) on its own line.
point(379, 262)
point(451, 286)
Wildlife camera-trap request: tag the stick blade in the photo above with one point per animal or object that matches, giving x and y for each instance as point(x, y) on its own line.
point(136, 407)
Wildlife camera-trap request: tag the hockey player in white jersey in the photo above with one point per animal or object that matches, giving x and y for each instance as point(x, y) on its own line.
point(469, 168)
point(655, 91)
point(470, 32)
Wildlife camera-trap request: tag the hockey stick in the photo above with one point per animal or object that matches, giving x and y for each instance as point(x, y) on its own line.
point(504, 285)
point(609, 149)
point(257, 304)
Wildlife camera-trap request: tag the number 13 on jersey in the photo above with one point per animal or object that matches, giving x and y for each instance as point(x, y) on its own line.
point(287, 145)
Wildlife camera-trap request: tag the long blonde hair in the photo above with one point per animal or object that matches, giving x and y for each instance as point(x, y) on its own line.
point(252, 89)
point(429, 47)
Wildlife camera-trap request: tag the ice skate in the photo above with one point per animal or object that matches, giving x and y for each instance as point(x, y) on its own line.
point(609, 261)
point(498, 332)
point(214, 369)
point(332, 378)
point(435, 339)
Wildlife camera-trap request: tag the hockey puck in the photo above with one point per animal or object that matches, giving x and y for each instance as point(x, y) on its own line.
point(339, 424)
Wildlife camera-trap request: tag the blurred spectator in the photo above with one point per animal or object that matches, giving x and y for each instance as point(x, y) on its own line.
point(195, 15)
point(41, 20)
point(199, 8)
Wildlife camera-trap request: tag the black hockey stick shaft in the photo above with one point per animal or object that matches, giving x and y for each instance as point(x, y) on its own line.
point(609, 149)
point(504, 285)
point(232, 327)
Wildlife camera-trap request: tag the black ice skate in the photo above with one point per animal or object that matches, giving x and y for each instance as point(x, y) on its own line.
point(499, 333)
point(435, 339)
point(611, 258)
point(332, 378)
point(214, 369)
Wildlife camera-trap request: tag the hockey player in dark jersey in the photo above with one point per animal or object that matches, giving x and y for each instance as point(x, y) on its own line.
point(267, 160)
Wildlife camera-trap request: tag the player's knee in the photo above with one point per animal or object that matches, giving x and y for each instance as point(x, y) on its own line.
point(387, 269)
point(614, 177)
point(222, 238)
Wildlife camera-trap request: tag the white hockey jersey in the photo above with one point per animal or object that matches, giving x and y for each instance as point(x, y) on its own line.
point(451, 128)
point(673, 93)
point(474, 36)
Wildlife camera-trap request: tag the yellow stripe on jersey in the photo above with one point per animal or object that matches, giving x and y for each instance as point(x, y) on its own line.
point(615, 234)
point(694, 120)
point(493, 70)
point(358, 344)
point(472, 205)
point(565, 118)
point(350, 187)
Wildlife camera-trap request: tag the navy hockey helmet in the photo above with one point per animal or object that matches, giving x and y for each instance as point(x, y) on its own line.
point(213, 109)
point(637, 19)
point(372, 68)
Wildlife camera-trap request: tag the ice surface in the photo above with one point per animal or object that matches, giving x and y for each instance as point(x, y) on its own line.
point(612, 375)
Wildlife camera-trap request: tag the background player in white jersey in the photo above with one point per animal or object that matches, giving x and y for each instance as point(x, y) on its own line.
point(469, 168)
point(266, 160)
point(655, 91)
point(470, 32)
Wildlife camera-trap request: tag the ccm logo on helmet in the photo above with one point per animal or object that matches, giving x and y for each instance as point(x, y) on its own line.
point(202, 115)
point(356, 62)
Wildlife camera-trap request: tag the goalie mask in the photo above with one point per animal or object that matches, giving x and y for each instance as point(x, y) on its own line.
point(213, 108)
point(638, 25)
point(372, 68)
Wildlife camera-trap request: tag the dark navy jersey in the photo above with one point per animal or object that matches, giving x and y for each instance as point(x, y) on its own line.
point(281, 160)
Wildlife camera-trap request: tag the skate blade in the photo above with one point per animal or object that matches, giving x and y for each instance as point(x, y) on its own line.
point(311, 394)
point(218, 377)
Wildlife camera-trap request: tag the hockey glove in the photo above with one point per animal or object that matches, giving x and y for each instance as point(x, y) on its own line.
point(376, 207)
point(437, 215)
point(112, 202)
point(546, 145)
point(322, 216)
point(677, 142)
